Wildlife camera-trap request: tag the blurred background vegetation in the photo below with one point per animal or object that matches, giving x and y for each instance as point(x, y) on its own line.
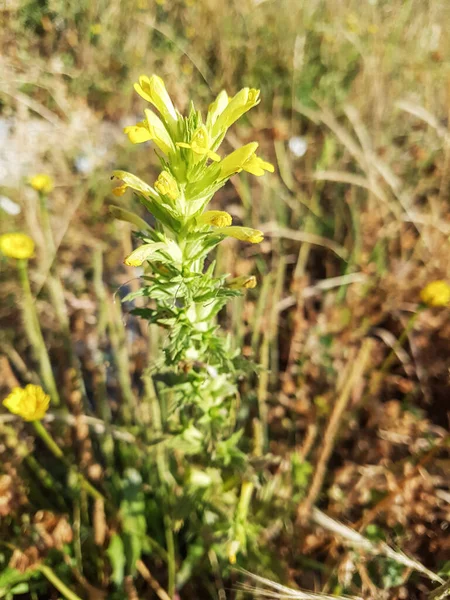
point(348, 413)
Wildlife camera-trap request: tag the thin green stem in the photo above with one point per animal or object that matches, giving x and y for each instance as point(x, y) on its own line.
point(56, 450)
point(34, 333)
point(56, 581)
point(171, 560)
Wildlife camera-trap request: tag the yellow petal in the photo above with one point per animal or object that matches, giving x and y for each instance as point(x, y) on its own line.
point(139, 133)
point(245, 234)
point(143, 253)
point(436, 293)
point(16, 245)
point(216, 218)
point(257, 166)
point(42, 183)
point(233, 163)
point(30, 403)
point(166, 185)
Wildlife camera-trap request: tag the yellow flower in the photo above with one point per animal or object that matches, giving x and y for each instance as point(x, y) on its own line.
point(244, 281)
point(234, 162)
point(154, 91)
point(96, 29)
point(131, 181)
point(217, 107)
point(244, 159)
point(143, 253)
point(200, 144)
point(158, 132)
point(245, 234)
point(152, 128)
point(42, 183)
point(16, 245)
point(30, 403)
point(120, 190)
point(216, 218)
point(166, 184)
point(257, 166)
point(243, 101)
point(139, 133)
point(436, 293)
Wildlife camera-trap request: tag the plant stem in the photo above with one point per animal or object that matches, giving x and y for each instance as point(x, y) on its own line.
point(56, 581)
point(34, 333)
point(56, 450)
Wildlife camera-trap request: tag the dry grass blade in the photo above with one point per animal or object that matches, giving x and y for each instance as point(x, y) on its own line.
point(358, 540)
point(421, 113)
point(273, 230)
point(277, 590)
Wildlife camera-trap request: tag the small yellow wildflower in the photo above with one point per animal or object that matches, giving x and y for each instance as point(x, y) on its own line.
point(154, 91)
point(234, 162)
point(436, 293)
point(16, 245)
point(243, 282)
point(131, 181)
point(30, 403)
point(120, 190)
point(243, 101)
point(257, 166)
point(96, 28)
point(42, 183)
point(166, 184)
point(200, 144)
point(245, 234)
point(143, 253)
point(216, 218)
point(139, 133)
point(244, 159)
point(233, 549)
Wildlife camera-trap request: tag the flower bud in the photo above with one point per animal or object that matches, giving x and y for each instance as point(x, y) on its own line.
point(245, 234)
point(166, 185)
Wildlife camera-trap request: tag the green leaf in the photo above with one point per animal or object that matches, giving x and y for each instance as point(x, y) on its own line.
point(116, 555)
point(134, 524)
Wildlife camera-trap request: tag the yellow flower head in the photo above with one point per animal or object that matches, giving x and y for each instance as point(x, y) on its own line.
point(139, 133)
point(436, 293)
point(234, 162)
point(243, 101)
point(166, 184)
point(16, 245)
point(243, 282)
point(216, 218)
point(200, 144)
point(42, 183)
point(96, 28)
point(256, 166)
point(154, 91)
point(143, 253)
point(30, 403)
point(152, 128)
point(245, 234)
